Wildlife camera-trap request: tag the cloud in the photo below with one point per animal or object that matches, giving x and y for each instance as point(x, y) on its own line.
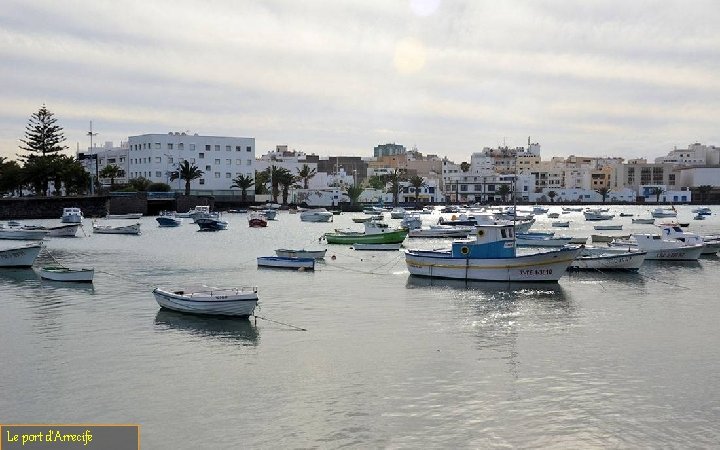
point(341, 77)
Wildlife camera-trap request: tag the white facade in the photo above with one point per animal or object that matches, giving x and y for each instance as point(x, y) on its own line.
point(156, 156)
point(107, 155)
point(699, 176)
point(695, 155)
point(294, 164)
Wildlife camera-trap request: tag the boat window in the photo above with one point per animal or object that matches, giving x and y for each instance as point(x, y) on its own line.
point(656, 237)
point(510, 233)
point(502, 233)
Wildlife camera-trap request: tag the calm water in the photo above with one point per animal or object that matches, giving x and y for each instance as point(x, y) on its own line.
point(629, 360)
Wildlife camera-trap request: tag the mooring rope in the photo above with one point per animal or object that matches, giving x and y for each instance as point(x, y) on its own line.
point(280, 323)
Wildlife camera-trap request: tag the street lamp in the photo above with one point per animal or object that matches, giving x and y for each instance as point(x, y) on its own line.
point(97, 174)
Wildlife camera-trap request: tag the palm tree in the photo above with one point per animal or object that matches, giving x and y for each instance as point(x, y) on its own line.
point(657, 191)
point(187, 172)
point(285, 179)
point(604, 191)
point(417, 183)
point(262, 178)
point(243, 182)
point(503, 191)
point(704, 190)
point(274, 174)
point(551, 195)
point(111, 171)
point(305, 174)
point(394, 179)
point(354, 193)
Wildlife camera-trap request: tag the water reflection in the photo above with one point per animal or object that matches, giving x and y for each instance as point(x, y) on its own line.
point(18, 275)
point(239, 329)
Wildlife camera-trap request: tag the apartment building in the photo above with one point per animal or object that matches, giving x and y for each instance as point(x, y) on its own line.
point(96, 158)
point(221, 158)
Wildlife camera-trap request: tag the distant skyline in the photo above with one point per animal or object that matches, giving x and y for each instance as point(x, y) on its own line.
point(591, 78)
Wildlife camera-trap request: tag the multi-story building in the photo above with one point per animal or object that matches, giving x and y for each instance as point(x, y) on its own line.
point(695, 155)
point(156, 156)
point(388, 150)
point(638, 172)
point(95, 159)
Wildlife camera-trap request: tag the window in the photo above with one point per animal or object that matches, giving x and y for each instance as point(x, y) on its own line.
point(238, 148)
point(228, 162)
point(202, 180)
point(207, 148)
point(463, 187)
point(192, 147)
point(217, 162)
point(158, 174)
point(248, 148)
point(158, 146)
point(201, 155)
point(249, 162)
point(170, 146)
point(228, 148)
point(181, 146)
point(217, 148)
point(170, 160)
point(208, 168)
point(192, 160)
point(217, 174)
point(238, 162)
point(158, 159)
point(228, 175)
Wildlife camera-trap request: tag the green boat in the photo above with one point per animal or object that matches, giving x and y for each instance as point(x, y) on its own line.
point(375, 233)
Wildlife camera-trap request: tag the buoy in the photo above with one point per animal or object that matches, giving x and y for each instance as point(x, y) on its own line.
point(333, 257)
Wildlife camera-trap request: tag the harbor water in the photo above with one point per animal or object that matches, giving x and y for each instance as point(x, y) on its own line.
point(597, 360)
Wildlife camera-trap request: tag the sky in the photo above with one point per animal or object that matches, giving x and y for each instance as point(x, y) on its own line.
point(630, 78)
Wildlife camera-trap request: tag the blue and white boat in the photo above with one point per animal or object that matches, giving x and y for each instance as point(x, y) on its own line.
point(491, 256)
point(210, 224)
point(168, 219)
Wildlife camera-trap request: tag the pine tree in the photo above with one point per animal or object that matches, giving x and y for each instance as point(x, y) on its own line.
point(43, 140)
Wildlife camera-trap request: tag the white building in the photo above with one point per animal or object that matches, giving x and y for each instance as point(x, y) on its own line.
point(156, 156)
point(107, 155)
point(699, 176)
point(695, 155)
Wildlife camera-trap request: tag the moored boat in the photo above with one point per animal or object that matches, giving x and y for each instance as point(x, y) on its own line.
point(659, 248)
point(168, 219)
point(374, 233)
point(209, 300)
point(597, 214)
point(22, 234)
point(133, 216)
point(664, 212)
point(441, 231)
point(64, 230)
point(607, 227)
point(286, 263)
point(20, 256)
point(316, 215)
point(288, 253)
point(257, 220)
point(125, 229)
point(531, 240)
point(561, 224)
point(608, 259)
point(71, 215)
point(377, 247)
point(644, 221)
point(211, 224)
point(490, 256)
point(61, 273)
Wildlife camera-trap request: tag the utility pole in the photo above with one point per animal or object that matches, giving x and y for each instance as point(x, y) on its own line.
point(95, 157)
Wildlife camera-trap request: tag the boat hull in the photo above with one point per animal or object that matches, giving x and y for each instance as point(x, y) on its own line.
point(23, 235)
point(378, 247)
point(65, 274)
point(286, 263)
point(19, 256)
point(129, 229)
point(287, 253)
point(218, 302)
point(167, 222)
point(549, 266)
point(629, 261)
point(390, 237)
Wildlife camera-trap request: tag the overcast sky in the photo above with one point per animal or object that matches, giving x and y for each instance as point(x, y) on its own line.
point(630, 78)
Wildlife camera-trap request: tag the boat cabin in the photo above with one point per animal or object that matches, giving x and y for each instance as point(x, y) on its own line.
point(490, 241)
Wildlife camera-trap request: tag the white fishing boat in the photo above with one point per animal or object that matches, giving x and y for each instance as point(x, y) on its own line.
point(124, 229)
point(607, 227)
point(71, 215)
point(22, 234)
point(664, 212)
point(302, 253)
point(490, 256)
point(712, 243)
point(597, 214)
point(61, 273)
point(19, 256)
point(703, 211)
point(316, 215)
point(561, 224)
point(377, 247)
point(362, 219)
point(203, 212)
point(168, 219)
point(209, 300)
point(553, 215)
point(597, 258)
point(64, 230)
point(441, 231)
point(133, 216)
point(286, 263)
point(660, 248)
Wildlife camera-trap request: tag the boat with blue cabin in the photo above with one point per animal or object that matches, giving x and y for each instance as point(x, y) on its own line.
point(491, 256)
